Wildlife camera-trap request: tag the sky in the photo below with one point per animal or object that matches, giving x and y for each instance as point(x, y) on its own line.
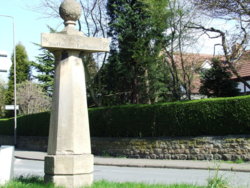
point(28, 28)
point(29, 25)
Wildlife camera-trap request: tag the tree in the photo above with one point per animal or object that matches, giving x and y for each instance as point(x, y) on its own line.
point(2, 97)
point(22, 71)
point(216, 81)
point(178, 41)
point(136, 28)
point(225, 8)
point(32, 99)
point(45, 66)
point(233, 43)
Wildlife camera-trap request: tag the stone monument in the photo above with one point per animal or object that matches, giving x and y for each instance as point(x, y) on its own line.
point(6, 164)
point(69, 162)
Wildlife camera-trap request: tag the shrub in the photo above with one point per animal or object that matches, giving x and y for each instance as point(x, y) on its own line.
point(28, 125)
point(221, 116)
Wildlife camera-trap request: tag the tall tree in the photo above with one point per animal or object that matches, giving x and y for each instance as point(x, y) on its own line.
point(46, 69)
point(216, 81)
point(136, 28)
point(2, 97)
point(22, 71)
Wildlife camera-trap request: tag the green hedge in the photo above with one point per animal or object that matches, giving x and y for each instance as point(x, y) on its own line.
point(221, 116)
point(30, 125)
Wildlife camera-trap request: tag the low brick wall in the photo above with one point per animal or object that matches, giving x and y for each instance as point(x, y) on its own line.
point(196, 148)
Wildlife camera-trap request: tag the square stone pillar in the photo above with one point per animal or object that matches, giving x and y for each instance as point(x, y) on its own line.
point(69, 162)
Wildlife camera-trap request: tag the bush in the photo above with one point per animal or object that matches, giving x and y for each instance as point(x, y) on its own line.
point(221, 116)
point(28, 125)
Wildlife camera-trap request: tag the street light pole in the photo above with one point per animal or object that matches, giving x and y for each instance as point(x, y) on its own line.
point(14, 53)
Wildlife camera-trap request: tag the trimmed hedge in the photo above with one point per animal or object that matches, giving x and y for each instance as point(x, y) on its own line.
point(29, 125)
point(220, 116)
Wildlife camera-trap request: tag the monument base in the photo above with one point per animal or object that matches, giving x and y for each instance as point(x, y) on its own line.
point(69, 170)
point(70, 181)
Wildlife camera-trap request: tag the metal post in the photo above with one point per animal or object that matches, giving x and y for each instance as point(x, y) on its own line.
point(14, 53)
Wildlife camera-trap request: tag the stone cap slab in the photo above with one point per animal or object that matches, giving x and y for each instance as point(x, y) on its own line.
point(59, 41)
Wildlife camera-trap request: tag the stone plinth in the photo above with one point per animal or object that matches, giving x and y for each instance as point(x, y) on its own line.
point(69, 170)
point(6, 164)
point(69, 162)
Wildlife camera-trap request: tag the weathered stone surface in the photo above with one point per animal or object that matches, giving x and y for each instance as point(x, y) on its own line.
point(70, 181)
point(69, 127)
point(144, 148)
point(70, 10)
point(6, 164)
point(69, 164)
point(57, 41)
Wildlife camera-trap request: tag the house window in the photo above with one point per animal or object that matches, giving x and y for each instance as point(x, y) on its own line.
point(241, 86)
point(247, 89)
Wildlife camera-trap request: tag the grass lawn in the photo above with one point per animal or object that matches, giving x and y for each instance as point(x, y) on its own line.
point(35, 182)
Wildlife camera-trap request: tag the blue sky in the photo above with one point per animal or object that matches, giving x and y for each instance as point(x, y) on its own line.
point(28, 25)
point(28, 28)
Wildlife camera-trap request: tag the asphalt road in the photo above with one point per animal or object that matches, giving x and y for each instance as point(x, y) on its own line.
point(146, 175)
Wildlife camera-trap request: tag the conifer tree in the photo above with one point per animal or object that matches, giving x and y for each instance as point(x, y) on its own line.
point(45, 68)
point(22, 71)
point(216, 81)
point(136, 28)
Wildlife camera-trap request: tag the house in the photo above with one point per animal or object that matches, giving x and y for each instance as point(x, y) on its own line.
point(195, 62)
point(189, 66)
point(243, 68)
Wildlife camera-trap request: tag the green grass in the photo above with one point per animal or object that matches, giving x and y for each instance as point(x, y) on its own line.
point(105, 184)
point(239, 161)
point(28, 182)
point(36, 182)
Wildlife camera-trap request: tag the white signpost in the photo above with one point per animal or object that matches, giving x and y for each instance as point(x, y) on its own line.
point(11, 107)
point(6, 164)
point(3, 57)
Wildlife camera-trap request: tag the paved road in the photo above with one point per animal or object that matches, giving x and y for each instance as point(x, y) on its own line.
point(147, 175)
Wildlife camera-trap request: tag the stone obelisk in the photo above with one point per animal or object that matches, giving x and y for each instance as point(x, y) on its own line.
point(69, 162)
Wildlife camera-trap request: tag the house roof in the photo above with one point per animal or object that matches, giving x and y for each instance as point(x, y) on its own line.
point(193, 62)
point(196, 61)
point(243, 65)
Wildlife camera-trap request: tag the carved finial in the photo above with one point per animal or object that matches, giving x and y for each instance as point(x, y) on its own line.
point(70, 11)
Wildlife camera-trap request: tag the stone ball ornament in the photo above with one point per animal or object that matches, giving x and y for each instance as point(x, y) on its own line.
point(70, 10)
